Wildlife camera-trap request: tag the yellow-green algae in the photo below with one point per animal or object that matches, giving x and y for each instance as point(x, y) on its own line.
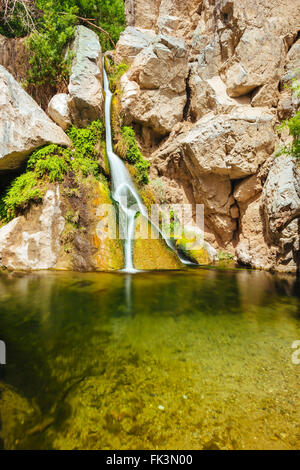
point(152, 253)
point(197, 359)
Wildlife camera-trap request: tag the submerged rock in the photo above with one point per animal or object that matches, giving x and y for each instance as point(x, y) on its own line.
point(24, 126)
point(150, 253)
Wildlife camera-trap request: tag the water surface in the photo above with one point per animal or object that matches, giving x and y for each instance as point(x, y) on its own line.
point(198, 359)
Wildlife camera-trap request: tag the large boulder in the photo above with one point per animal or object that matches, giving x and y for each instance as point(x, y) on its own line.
point(258, 59)
point(24, 126)
point(232, 145)
point(291, 69)
point(211, 153)
point(261, 245)
point(132, 41)
point(153, 92)
point(86, 101)
point(210, 94)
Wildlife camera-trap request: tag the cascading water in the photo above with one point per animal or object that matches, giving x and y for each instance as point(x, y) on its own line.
point(123, 190)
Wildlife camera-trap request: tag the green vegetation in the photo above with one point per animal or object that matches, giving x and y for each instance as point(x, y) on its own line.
point(115, 72)
point(293, 126)
point(51, 24)
point(48, 61)
point(128, 148)
point(24, 190)
point(224, 256)
point(52, 164)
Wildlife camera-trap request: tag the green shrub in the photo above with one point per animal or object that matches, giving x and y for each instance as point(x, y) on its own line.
point(24, 190)
point(48, 62)
point(129, 149)
point(17, 17)
point(51, 164)
point(51, 24)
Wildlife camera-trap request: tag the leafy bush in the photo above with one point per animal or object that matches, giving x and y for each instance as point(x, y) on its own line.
point(51, 164)
point(52, 25)
point(48, 62)
point(128, 149)
point(24, 190)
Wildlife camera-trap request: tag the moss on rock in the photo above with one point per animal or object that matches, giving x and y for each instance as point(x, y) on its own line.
point(152, 254)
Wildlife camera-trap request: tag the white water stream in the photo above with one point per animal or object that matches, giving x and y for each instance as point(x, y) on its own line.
point(123, 189)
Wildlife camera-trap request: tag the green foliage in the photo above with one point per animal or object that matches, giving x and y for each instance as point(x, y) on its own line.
point(224, 256)
point(293, 126)
point(48, 62)
point(16, 17)
point(115, 72)
point(51, 164)
point(24, 190)
point(72, 218)
point(85, 139)
point(51, 23)
point(108, 14)
point(134, 156)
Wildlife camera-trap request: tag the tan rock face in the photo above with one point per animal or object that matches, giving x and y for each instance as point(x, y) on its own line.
point(133, 41)
point(232, 145)
point(24, 126)
point(252, 248)
point(31, 242)
point(258, 59)
point(218, 152)
point(282, 193)
point(153, 91)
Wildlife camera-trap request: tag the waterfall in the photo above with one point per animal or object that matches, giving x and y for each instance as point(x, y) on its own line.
point(123, 190)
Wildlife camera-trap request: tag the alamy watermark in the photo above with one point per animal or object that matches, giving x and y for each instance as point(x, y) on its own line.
point(296, 353)
point(2, 353)
point(174, 221)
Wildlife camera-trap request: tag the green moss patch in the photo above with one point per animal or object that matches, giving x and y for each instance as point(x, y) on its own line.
point(52, 164)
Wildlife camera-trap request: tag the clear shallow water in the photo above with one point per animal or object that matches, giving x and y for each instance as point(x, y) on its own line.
point(170, 360)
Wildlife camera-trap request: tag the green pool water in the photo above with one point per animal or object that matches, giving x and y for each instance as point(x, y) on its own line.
point(198, 359)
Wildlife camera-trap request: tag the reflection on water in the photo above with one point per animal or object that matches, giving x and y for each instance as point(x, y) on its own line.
point(199, 359)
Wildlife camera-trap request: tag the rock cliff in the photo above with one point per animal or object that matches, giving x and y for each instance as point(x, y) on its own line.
point(205, 92)
point(204, 88)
